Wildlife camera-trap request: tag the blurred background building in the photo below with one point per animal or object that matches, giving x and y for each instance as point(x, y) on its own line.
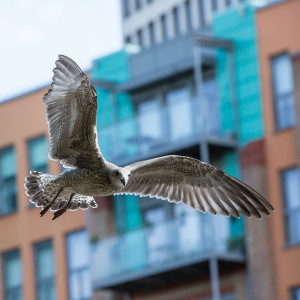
point(215, 80)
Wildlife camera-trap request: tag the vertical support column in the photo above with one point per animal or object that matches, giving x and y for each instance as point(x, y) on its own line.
point(214, 278)
point(198, 77)
point(234, 100)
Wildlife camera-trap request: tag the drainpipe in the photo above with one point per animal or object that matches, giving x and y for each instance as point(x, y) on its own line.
point(214, 278)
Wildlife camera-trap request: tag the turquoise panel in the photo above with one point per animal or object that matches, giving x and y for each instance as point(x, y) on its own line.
point(116, 126)
point(240, 27)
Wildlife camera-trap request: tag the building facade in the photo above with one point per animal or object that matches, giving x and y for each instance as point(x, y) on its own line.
point(279, 48)
point(192, 89)
point(39, 258)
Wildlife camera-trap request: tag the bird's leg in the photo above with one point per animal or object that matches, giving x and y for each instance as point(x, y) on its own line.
point(46, 208)
point(64, 209)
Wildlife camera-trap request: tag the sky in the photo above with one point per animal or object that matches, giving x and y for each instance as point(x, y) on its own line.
point(34, 32)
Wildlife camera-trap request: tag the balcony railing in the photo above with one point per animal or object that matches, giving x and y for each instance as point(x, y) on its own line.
point(181, 241)
point(164, 127)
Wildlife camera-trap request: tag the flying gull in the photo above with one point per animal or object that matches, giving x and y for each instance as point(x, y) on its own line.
point(71, 109)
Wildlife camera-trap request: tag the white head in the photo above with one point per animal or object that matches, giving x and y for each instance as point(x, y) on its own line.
point(119, 177)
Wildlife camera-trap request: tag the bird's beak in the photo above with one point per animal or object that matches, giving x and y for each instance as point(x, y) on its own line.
point(123, 180)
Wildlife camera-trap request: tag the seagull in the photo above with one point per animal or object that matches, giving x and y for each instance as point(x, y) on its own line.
point(71, 111)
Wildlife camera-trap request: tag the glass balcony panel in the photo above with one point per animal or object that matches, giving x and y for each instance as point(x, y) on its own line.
point(189, 235)
point(180, 114)
point(150, 126)
point(126, 133)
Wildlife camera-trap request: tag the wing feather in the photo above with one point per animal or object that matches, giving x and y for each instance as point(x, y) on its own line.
point(71, 110)
point(196, 184)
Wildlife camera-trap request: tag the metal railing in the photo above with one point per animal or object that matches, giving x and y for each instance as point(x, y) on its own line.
point(163, 127)
point(158, 246)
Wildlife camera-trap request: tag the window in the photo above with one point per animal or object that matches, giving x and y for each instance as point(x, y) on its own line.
point(283, 91)
point(176, 21)
point(188, 15)
point(140, 38)
point(152, 33)
point(44, 271)
point(214, 4)
point(138, 4)
point(296, 293)
point(80, 287)
point(227, 2)
point(291, 195)
point(128, 40)
point(201, 12)
point(164, 30)
point(38, 154)
point(12, 275)
point(126, 9)
point(8, 190)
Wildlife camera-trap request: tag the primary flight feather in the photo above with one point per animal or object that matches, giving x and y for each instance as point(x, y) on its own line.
point(71, 110)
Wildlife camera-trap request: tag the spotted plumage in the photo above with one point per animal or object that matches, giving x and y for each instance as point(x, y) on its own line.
point(71, 110)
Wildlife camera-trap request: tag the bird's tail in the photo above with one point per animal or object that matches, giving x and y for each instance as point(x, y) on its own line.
point(41, 188)
point(44, 191)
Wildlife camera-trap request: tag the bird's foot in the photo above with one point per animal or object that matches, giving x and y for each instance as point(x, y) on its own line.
point(47, 207)
point(59, 212)
point(64, 209)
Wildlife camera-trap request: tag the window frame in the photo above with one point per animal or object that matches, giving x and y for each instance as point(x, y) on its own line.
point(286, 211)
point(176, 21)
point(140, 38)
point(30, 167)
point(7, 182)
point(151, 30)
point(293, 292)
point(69, 270)
point(188, 15)
point(43, 280)
point(164, 27)
point(126, 8)
point(20, 287)
point(275, 97)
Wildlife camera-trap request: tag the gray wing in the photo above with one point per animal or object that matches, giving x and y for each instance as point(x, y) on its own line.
point(194, 183)
point(71, 109)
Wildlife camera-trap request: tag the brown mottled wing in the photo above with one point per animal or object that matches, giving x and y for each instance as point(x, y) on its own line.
point(197, 184)
point(71, 109)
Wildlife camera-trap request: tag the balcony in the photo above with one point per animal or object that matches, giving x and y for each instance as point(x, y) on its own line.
point(156, 63)
point(158, 130)
point(169, 252)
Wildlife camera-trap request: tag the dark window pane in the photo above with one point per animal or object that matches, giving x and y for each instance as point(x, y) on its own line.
point(138, 4)
point(283, 91)
point(296, 293)
point(140, 38)
point(79, 266)
point(126, 8)
point(128, 40)
point(291, 195)
point(12, 275)
point(188, 15)
point(44, 266)
point(38, 154)
point(164, 29)
point(214, 4)
point(8, 190)
point(176, 21)
point(152, 34)
point(201, 12)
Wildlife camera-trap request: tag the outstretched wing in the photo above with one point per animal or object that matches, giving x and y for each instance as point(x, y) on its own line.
point(71, 109)
point(194, 183)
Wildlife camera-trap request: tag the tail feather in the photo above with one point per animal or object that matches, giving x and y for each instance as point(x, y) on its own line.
point(43, 188)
